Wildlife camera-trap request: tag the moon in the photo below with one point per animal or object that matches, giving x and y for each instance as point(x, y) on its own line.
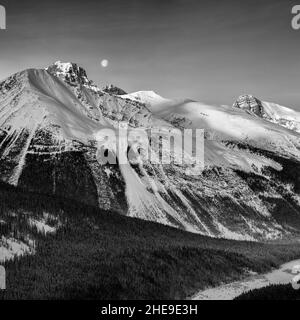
point(104, 63)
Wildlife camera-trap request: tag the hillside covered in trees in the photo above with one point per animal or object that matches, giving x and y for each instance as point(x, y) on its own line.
point(95, 254)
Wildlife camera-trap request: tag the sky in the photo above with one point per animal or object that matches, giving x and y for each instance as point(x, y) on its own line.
point(211, 51)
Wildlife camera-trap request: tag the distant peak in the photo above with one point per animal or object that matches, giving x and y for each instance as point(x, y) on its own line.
point(149, 93)
point(146, 95)
point(249, 103)
point(111, 89)
point(247, 97)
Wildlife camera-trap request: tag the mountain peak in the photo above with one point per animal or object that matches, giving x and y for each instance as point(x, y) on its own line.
point(75, 75)
point(69, 72)
point(249, 103)
point(112, 89)
point(64, 66)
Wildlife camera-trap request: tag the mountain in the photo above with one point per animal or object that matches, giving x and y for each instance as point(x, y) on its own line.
point(114, 90)
point(52, 126)
point(273, 112)
point(150, 98)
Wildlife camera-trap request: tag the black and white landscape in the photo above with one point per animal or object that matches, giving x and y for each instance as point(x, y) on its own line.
point(75, 228)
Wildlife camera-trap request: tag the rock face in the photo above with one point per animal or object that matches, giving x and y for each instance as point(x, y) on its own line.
point(114, 90)
point(272, 112)
point(51, 123)
point(251, 104)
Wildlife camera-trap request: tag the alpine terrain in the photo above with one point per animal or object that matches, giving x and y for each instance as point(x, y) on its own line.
point(51, 125)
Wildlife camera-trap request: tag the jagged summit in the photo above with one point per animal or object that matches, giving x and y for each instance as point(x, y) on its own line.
point(283, 116)
point(250, 103)
point(69, 72)
point(75, 75)
point(112, 89)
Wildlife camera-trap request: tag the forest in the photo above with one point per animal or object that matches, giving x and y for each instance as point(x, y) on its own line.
point(95, 254)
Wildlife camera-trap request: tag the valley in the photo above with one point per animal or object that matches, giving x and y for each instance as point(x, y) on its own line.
point(81, 252)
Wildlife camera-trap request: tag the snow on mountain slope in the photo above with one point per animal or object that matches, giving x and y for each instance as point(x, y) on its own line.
point(44, 100)
point(283, 116)
point(50, 130)
point(39, 115)
point(190, 114)
point(273, 112)
point(223, 123)
point(150, 98)
point(224, 127)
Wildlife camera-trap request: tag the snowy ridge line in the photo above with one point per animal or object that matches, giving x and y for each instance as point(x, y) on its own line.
point(59, 105)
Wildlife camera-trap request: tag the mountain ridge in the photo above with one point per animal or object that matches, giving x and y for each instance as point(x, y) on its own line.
point(286, 117)
point(50, 120)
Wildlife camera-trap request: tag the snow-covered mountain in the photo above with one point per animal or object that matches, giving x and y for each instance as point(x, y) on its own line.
point(50, 121)
point(273, 112)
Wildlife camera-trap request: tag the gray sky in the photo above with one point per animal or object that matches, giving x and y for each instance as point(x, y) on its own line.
point(210, 51)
